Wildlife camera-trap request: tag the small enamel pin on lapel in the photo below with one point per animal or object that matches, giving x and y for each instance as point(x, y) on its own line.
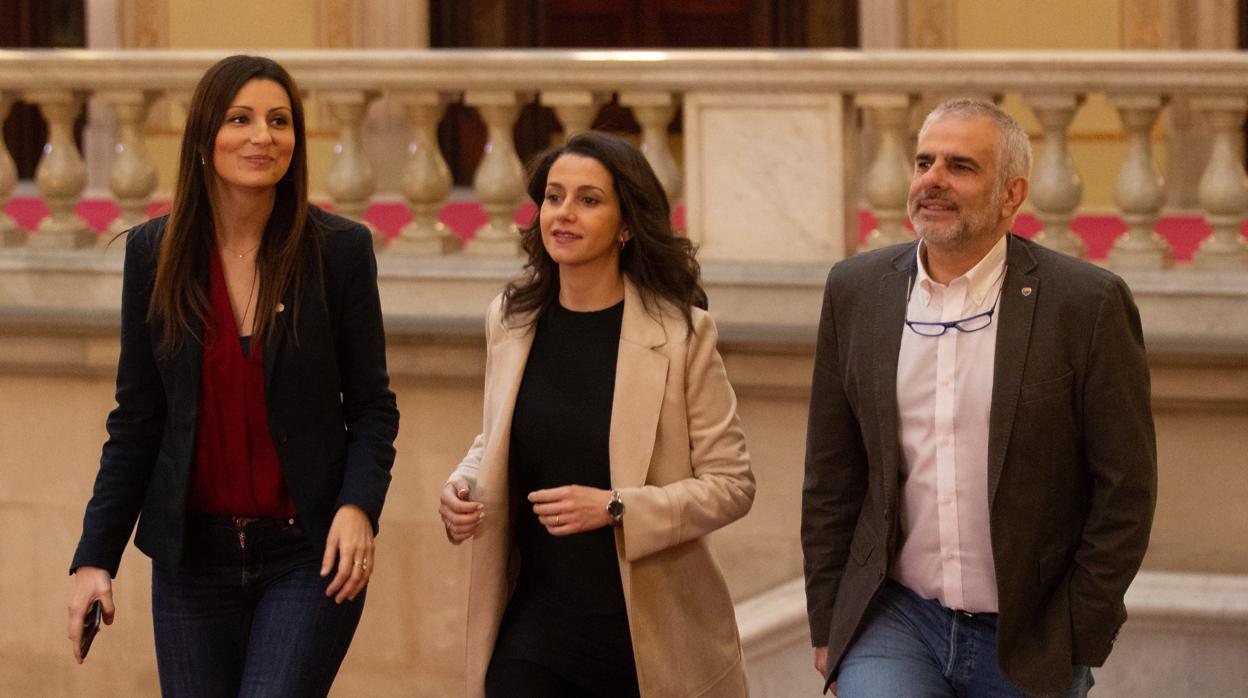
point(1026, 291)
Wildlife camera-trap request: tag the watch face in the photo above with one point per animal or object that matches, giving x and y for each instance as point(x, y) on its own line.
point(615, 508)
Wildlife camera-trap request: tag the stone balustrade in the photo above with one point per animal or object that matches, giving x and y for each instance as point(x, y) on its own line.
point(776, 162)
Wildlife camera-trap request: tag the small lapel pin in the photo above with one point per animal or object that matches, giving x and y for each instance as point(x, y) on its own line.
point(1026, 292)
point(282, 306)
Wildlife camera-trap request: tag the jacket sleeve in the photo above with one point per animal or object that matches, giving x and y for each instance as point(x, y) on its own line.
point(835, 480)
point(134, 426)
point(369, 407)
point(1121, 453)
point(721, 486)
point(470, 466)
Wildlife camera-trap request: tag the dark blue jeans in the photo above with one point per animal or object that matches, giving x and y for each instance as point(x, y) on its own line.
point(247, 615)
point(913, 647)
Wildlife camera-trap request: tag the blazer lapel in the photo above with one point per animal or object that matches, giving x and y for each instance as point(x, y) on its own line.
point(1018, 303)
point(186, 367)
point(640, 381)
point(509, 356)
point(282, 317)
point(890, 315)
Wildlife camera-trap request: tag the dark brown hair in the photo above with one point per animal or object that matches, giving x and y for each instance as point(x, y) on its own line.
point(660, 263)
point(180, 293)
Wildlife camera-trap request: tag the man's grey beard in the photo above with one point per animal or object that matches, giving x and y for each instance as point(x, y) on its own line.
point(972, 225)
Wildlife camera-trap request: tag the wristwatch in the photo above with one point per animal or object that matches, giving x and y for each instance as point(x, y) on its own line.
point(615, 508)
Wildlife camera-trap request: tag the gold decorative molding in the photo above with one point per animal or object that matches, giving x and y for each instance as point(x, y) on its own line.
point(144, 23)
point(1143, 23)
point(933, 23)
point(338, 23)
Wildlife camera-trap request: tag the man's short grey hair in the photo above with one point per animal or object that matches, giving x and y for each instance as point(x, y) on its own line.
point(1015, 154)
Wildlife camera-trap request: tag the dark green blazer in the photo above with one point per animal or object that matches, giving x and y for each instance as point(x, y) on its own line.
point(1072, 462)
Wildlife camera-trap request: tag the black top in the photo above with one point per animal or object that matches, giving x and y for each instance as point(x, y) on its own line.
point(567, 612)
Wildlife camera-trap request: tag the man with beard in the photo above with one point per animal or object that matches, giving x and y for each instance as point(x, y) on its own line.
point(980, 459)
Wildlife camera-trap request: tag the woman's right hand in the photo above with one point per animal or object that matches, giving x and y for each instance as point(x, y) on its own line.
point(460, 515)
point(86, 585)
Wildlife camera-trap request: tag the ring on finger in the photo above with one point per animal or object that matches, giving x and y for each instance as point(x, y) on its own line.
point(557, 520)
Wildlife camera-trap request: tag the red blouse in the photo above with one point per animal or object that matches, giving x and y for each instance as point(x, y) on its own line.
point(237, 472)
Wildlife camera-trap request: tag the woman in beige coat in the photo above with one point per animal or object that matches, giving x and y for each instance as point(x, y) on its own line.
point(610, 448)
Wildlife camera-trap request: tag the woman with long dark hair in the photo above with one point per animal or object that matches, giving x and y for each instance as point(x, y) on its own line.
point(611, 446)
point(254, 428)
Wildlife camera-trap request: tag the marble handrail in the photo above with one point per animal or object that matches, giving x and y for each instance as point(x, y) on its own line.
point(1141, 72)
point(775, 620)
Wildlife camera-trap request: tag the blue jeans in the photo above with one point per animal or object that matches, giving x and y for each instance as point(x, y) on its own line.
point(247, 615)
point(916, 648)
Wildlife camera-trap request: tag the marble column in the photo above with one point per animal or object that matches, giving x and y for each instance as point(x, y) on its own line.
point(1056, 188)
point(1141, 191)
point(426, 178)
point(10, 233)
point(133, 177)
point(350, 181)
point(888, 177)
point(499, 179)
point(1223, 191)
point(61, 174)
point(654, 111)
point(575, 109)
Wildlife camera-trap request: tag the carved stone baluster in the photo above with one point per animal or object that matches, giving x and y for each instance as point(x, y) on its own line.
point(654, 111)
point(350, 181)
point(1223, 189)
point(576, 109)
point(1056, 188)
point(1141, 190)
point(133, 178)
point(499, 179)
point(426, 178)
point(61, 173)
point(10, 233)
point(888, 177)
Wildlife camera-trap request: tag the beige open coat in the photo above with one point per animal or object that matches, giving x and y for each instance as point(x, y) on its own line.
point(679, 460)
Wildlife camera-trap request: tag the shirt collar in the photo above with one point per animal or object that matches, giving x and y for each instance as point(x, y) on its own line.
point(981, 279)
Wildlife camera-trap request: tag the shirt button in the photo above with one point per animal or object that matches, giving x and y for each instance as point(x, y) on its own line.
point(281, 437)
point(950, 556)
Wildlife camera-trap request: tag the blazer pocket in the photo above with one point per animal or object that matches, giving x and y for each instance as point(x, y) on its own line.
point(862, 545)
point(1047, 388)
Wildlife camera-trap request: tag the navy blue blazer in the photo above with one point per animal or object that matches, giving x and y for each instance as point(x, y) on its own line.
point(332, 415)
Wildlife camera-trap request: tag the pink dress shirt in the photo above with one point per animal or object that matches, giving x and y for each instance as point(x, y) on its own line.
point(944, 395)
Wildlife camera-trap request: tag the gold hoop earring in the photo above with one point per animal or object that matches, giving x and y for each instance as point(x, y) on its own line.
point(202, 161)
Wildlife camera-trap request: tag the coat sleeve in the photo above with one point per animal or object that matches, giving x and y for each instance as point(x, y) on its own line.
point(369, 407)
point(721, 486)
point(134, 426)
point(835, 480)
point(1121, 453)
point(470, 466)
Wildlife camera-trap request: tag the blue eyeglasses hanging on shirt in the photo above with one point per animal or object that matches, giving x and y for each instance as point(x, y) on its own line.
point(973, 323)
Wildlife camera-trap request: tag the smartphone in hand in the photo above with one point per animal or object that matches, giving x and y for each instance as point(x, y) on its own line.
point(90, 626)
